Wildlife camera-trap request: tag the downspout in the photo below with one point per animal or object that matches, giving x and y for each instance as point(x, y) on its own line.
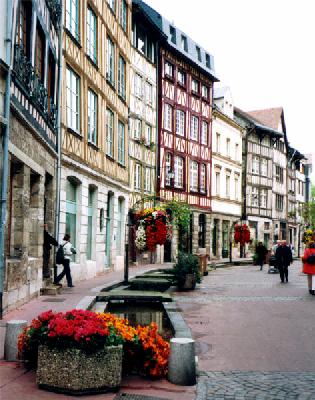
point(58, 174)
point(5, 144)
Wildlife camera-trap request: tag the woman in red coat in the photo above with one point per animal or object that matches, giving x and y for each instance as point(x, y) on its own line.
point(309, 268)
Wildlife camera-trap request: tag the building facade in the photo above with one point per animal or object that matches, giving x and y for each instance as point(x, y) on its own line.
point(94, 125)
point(33, 149)
point(226, 174)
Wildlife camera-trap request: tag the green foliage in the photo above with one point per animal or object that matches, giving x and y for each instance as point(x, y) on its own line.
point(180, 213)
point(186, 264)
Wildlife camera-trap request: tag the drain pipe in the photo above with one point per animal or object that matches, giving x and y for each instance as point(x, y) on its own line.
point(5, 144)
point(58, 175)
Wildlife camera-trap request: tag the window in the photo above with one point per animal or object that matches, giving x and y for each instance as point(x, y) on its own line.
point(23, 27)
point(90, 223)
point(279, 174)
point(111, 4)
point(181, 77)
point(279, 202)
point(194, 125)
point(168, 169)
point(178, 172)
point(227, 186)
point(121, 143)
point(122, 77)
point(237, 152)
point(173, 34)
point(137, 128)
point(141, 39)
point(217, 183)
point(71, 210)
point(180, 122)
point(208, 62)
point(193, 176)
point(72, 102)
point(218, 139)
point(109, 133)
point(168, 69)
point(255, 166)
point(204, 132)
point(168, 112)
point(149, 93)
point(198, 53)
point(203, 178)
point(92, 117)
point(72, 17)
point(266, 226)
point(138, 85)
point(264, 167)
point(40, 53)
point(147, 181)
point(228, 147)
point(110, 61)
point(255, 197)
point(184, 43)
point(123, 14)
point(263, 198)
point(148, 134)
point(91, 34)
point(236, 191)
point(137, 177)
point(205, 92)
point(194, 86)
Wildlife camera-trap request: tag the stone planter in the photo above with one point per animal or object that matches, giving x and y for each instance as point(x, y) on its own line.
point(189, 283)
point(74, 371)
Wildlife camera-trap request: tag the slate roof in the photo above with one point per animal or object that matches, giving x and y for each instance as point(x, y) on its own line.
point(219, 92)
point(269, 116)
point(191, 54)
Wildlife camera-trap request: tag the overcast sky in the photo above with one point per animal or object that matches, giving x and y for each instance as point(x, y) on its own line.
point(263, 49)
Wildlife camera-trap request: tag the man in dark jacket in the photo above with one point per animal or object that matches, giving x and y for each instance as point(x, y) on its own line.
point(284, 259)
point(49, 240)
point(261, 252)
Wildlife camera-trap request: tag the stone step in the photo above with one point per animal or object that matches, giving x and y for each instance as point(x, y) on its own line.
point(133, 295)
point(51, 290)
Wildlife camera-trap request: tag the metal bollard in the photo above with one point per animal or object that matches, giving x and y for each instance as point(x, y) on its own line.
point(13, 329)
point(182, 363)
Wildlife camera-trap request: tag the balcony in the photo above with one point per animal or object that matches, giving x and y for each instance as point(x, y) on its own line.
point(33, 88)
point(54, 7)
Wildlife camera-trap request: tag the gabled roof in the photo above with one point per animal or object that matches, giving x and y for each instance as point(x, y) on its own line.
point(270, 116)
point(174, 41)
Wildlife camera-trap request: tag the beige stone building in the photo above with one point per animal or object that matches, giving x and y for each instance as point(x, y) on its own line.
point(94, 125)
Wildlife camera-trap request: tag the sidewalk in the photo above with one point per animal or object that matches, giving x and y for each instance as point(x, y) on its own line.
point(17, 383)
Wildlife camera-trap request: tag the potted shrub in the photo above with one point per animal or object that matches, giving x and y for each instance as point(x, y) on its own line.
point(186, 271)
point(81, 352)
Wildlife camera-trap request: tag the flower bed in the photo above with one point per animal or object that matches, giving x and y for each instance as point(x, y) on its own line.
point(144, 350)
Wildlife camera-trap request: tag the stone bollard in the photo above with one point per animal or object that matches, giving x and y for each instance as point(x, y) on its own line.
point(182, 364)
point(13, 329)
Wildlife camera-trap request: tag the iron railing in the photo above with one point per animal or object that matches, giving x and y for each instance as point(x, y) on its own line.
point(54, 7)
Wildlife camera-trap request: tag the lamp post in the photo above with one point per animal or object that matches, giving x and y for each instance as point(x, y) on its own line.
point(127, 233)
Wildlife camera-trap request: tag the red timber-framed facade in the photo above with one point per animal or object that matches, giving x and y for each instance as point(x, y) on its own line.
point(184, 142)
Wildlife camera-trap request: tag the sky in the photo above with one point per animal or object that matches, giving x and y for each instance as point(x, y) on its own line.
point(264, 50)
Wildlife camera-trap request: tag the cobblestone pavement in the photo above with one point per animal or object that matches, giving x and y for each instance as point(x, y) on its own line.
point(248, 327)
point(239, 385)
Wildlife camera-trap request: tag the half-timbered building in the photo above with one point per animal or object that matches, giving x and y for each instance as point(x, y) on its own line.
point(185, 97)
point(94, 125)
point(32, 150)
point(226, 174)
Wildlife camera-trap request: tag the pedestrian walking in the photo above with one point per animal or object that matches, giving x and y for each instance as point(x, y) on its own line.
point(284, 259)
point(49, 241)
point(308, 260)
point(261, 252)
point(65, 252)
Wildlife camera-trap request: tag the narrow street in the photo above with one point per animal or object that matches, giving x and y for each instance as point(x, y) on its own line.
point(255, 335)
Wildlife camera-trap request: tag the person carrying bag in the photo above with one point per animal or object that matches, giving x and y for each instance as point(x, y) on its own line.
point(63, 255)
point(308, 260)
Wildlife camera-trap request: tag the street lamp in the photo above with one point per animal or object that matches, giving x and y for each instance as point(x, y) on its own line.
point(127, 234)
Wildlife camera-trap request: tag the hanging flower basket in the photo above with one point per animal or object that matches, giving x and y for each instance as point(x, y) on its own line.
point(241, 234)
point(307, 236)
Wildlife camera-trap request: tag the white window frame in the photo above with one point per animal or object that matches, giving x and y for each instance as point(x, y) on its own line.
point(149, 93)
point(227, 186)
point(147, 181)
point(168, 117)
point(92, 117)
point(110, 60)
point(204, 132)
point(121, 143)
point(180, 122)
point(148, 134)
point(72, 17)
point(137, 177)
point(264, 167)
point(194, 86)
point(73, 100)
point(122, 77)
point(181, 79)
point(203, 178)
point(168, 168)
point(218, 142)
point(91, 34)
point(263, 198)
point(237, 152)
point(109, 132)
point(138, 85)
point(236, 183)
point(228, 147)
point(194, 127)
point(193, 175)
point(111, 4)
point(123, 14)
point(205, 91)
point(255, 165)
point(169, 69)
point(255, 197)
point(217, 183)
point(137, 128)
point(178, 172)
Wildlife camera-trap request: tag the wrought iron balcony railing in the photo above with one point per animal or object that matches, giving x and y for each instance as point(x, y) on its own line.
point(33, 87)
point(54, 7)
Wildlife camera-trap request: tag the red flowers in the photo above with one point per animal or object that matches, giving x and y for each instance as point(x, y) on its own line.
point(91, 331)
point(241, 234)
point(154, 222)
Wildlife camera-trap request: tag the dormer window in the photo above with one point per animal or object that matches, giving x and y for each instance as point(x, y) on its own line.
point(194, 86)
point(198, 53)
point(184, 43)
point(173, 34)
point(168, 69)
point(208, 63)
